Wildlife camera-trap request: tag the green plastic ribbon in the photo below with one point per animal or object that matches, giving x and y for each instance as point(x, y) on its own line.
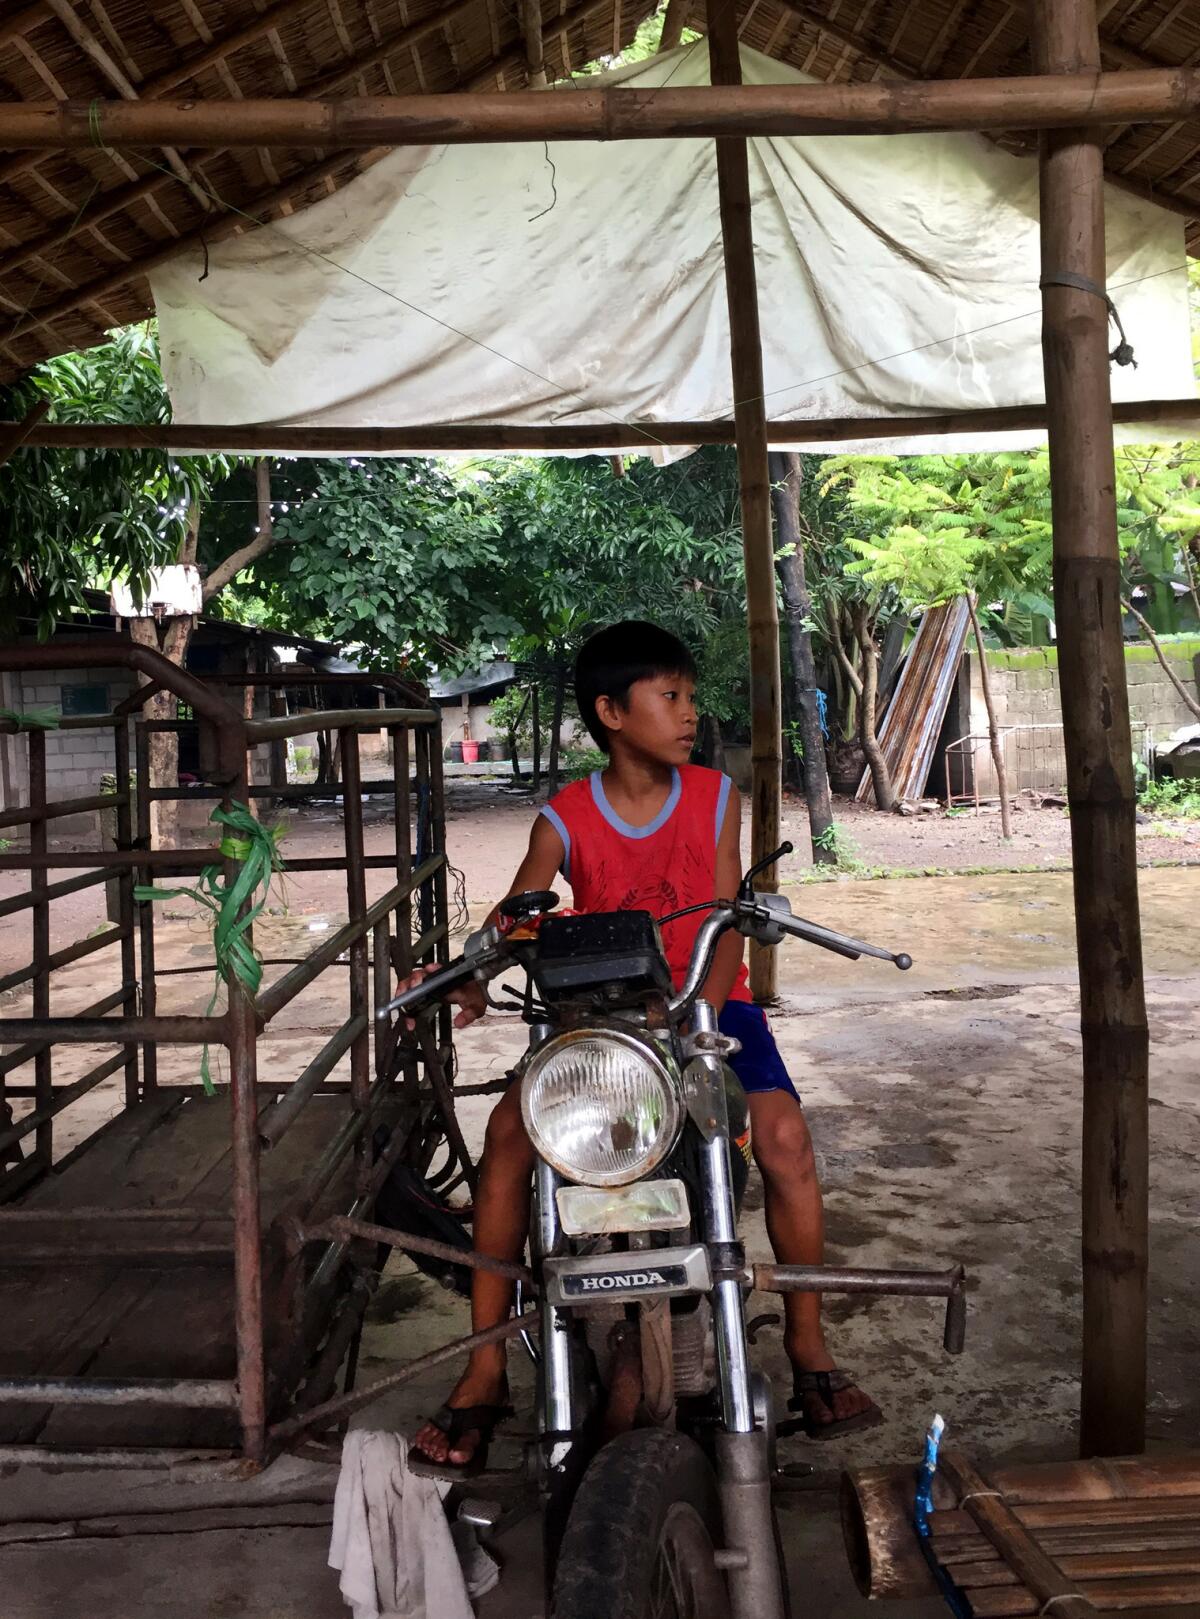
point(256, 849)
point(33, 719)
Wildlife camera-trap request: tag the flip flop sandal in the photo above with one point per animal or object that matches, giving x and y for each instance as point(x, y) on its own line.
point(825, 1385)
point(456, 1422)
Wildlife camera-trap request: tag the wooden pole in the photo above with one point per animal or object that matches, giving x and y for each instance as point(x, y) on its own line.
point(880, 107)
point(673, 24)
point(1096, 731)
point(1181, 417)
point(786, 478)
point(750, 425)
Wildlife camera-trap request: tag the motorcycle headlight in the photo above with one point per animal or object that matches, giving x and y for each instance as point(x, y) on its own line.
point(601, 1106)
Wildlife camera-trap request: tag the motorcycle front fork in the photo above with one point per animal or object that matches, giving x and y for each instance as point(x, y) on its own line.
point(756, 1587)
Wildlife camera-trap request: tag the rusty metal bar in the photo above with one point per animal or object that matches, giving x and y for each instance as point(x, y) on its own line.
point(119, 652)
point(209, 1251)
point(402, 790)
point(331, 1410)
point(273, 999)
point(429, 938)
point(24, 1054)
point(276, 1121)
point(70, 885)
point(173, 860)
point(192, 1393)
point(386, 1032)
point(445, 1100)
point(179, 862)
point(145, 909)
point(126, 906)
point(330, 1262)
point(356, 905)
point(44, 1058)
point(80, 1031)
point(299, 790)
point(60, 807)
point(212, 1464)
point(64, 957)
point(836, 1279)
point(336, 719)
point(94, 1215)
point(341, 1225)
point(61, 1097)
point(247, 1218)
point(326, 1165)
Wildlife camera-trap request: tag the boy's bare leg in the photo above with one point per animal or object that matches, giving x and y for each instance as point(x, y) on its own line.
point(500, 1227)
point(796, 1226)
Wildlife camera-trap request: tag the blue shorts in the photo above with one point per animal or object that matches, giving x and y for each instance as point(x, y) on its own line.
point(758, 1064)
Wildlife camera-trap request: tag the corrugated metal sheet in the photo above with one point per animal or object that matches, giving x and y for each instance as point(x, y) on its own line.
point(913, 722)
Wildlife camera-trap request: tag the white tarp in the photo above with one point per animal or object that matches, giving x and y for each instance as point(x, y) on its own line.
point(582, 282)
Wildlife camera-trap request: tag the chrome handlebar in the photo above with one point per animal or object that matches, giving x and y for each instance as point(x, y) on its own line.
point(766, 918)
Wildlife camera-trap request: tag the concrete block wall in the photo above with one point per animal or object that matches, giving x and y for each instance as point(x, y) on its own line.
point(1026, 694)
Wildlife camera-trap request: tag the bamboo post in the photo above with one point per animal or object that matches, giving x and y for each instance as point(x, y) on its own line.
point(750, 428)
point(1096, 731)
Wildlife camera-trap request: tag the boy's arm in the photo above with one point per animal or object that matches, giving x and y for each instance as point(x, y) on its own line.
point(728, 957)
point(541, 865)
point(537, 870)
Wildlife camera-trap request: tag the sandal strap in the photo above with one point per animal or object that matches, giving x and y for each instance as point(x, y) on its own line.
point(823, 1384)
point(456, 1420)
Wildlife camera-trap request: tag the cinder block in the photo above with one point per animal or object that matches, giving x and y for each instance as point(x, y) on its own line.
point(1034, 679)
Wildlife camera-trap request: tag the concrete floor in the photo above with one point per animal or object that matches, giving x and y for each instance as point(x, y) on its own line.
point(945, 1105)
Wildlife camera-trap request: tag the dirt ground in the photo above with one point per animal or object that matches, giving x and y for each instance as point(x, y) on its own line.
point(945, 1107)
point(488, 826)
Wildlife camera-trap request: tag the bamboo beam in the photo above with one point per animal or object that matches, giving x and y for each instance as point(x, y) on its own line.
point(1099, 754)
point(750, 424)
point(1048, 101)
point(1182, 416)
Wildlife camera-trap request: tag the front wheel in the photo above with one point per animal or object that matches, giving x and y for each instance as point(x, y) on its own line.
point(642, 1534)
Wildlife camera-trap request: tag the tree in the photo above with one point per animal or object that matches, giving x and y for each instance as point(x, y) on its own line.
point(74, 518)
point(786, 477)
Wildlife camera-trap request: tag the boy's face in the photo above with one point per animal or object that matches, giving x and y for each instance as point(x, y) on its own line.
point(658, 719)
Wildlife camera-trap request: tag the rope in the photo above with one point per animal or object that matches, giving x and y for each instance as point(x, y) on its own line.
point(256, 849)
point(34, 719)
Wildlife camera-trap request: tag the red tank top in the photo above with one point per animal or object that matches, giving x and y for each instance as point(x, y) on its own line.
point(660, 867)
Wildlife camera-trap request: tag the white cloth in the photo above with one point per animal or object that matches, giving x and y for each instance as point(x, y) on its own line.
point(897, 275)
point(391, 1540)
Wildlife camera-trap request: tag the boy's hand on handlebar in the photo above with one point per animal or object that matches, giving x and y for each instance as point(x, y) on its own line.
point(468, 997)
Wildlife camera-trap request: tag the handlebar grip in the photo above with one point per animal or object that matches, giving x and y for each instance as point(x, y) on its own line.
point(413, 1000)
point(840, 943)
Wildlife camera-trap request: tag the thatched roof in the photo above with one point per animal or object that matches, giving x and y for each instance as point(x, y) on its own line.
point(78, 229)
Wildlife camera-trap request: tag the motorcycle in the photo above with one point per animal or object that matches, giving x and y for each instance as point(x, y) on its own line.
point(642, 1140)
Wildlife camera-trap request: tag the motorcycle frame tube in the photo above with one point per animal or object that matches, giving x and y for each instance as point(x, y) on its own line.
point(720, 1226)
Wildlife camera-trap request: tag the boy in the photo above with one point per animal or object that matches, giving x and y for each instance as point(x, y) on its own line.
point(649, 832)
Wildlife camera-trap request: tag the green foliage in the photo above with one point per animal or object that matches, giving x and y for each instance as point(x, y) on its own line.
point(930, 528)
point(935, 527)
point(644, 45)
point(393, 557)
point(1174, 800)
point(73, 518)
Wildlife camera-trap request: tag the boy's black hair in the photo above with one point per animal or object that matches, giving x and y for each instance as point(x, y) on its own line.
point(616, 658)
